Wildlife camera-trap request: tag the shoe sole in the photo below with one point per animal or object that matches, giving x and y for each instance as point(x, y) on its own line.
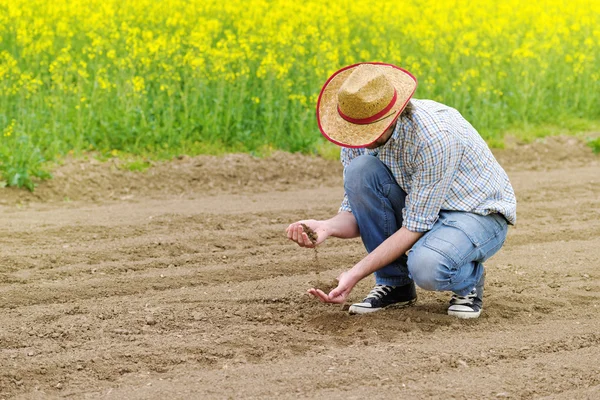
point(354, 309)
point(463, 314)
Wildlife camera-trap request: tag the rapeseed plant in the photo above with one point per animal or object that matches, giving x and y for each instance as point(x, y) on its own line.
point(157, 79)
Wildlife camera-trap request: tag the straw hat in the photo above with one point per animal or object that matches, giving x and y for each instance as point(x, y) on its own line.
point(360, 102)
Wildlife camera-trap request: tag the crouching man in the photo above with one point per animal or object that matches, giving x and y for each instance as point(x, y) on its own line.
point(422, 190)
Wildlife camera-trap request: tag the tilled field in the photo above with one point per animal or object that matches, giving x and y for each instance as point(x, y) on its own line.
point(180, 283)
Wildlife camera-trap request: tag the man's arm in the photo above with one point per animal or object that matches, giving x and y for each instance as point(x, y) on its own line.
point(390, 250)
point(342, 225)
point(387, 252)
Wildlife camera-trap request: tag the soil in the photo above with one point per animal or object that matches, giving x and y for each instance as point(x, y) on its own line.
point(325, 286)
point(312, 235)
point(179, 282)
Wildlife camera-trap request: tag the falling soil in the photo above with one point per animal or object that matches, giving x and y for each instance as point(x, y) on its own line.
point(325, 286)
point(312, 236)
point(180, 283)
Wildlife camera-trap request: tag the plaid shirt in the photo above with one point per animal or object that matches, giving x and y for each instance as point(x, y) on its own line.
point(442, 163)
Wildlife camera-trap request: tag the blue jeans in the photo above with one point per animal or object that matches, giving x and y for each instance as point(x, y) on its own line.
point(448, 257)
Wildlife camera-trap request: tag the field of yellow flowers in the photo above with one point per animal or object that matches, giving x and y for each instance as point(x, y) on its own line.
point(160, 78)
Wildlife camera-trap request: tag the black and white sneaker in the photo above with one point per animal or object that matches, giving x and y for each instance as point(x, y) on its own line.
point(382, 296)
point(468, 306)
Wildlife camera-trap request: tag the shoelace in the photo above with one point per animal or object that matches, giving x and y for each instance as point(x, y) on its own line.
point(379, 291)
point(468, 299)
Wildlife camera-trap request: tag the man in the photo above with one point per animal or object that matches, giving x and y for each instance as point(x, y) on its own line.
point(422, 189)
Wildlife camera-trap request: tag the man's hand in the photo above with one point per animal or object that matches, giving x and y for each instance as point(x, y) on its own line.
point(296, 233)
point(346, 282)
point(391, 249)
point(342, 225)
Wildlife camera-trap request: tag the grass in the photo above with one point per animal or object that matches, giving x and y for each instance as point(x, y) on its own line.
point(595, 144)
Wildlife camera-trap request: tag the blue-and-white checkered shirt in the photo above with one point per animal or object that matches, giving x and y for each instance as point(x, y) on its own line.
point(442, 163)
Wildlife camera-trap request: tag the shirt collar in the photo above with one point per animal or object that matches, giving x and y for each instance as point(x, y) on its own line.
point(390, 143)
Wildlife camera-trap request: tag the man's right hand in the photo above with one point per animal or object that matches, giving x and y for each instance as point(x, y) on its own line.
point(296, 233)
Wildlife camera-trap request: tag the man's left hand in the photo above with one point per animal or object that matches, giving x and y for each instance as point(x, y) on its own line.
point(338, 295)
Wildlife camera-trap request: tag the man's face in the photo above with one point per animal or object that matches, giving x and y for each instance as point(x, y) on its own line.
point(383, 139)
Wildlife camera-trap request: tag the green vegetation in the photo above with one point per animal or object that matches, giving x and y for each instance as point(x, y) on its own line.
point(595, 144)
point(151, 80)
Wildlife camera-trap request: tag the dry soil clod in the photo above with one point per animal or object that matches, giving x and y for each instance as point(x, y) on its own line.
point(312, 235)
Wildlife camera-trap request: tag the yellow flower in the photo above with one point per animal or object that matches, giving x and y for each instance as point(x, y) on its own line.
point(138, 84)
point(8, 131)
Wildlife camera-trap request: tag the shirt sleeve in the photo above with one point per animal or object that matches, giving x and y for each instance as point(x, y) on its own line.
point(436, 164)
point(345, 206)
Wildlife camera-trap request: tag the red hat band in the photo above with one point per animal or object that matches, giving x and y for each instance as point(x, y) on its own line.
point(373, 118)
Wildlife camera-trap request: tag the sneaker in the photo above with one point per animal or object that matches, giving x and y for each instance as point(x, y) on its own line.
point(382, 296)
point(468, 306)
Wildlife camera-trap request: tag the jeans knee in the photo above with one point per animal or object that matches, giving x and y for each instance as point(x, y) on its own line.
point(426, 268)
point(360, 173)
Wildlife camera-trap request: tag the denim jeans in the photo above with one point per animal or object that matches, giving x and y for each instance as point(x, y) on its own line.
point(448, 257)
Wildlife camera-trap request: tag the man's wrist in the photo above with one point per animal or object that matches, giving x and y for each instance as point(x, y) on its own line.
point(355, 274)
point(327, 228)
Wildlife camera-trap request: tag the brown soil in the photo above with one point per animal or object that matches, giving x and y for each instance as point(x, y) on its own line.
point(325, 286)
point(187, 178)
point(180, 283)
point(312, 235)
